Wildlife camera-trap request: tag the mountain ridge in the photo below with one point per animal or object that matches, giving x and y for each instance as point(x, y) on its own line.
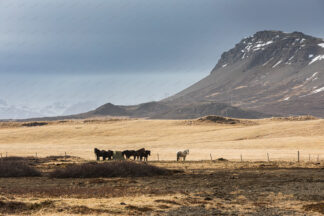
point(271, 73)
point(268, 70)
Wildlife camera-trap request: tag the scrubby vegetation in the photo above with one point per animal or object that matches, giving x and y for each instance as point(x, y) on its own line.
point(13, 207)
point(111, 169)
point(34, 124)
point(224, 120)
point(16, 167)
point(295, 118)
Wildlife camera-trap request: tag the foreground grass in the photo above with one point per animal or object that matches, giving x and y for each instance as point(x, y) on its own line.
point(203, 188)
point(108, 169)
point(17, 168)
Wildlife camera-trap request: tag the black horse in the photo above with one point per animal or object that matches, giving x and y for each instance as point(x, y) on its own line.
point(107, 154)
point(145, 155)
point(139, 154)
point(128, 153)
point(104, 154)
point(97, 153)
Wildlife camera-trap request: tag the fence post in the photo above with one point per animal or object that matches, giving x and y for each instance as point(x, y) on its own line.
point(298, 156)
point(158, 156)
point(317, 158)
point(1, 155)
point(268, 157)
point(65, 155)
point(241, 158)
point(36, 154)
point(211, 158)
point(6, 154)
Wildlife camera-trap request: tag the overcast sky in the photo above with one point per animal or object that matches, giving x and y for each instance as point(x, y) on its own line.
point(128, 51)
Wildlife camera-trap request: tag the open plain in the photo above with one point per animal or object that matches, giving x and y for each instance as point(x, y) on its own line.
point(253, 139)
point(202, 185)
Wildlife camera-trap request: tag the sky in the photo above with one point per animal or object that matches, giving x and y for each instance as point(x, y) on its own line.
point(63, 57)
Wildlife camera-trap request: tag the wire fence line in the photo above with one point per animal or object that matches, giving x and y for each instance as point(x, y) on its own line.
point(297, 156)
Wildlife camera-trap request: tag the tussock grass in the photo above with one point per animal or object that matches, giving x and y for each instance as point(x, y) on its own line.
point(110, 169)
point(13, 207)
point(317, 207)
point(17, 168)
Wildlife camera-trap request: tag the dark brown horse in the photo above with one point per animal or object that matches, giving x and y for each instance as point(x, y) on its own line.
point(139, 153)
point(97, 153)
point(104, 154)
point(128, 153)
point(146, 154)
point(107, 154)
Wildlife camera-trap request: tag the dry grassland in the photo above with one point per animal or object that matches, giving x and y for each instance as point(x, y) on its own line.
point(279, 187)
point(281, 138)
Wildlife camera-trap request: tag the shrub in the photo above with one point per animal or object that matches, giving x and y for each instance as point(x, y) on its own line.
point(17, 168)
point(34, 124)
point(109, 169)
point(55, 158)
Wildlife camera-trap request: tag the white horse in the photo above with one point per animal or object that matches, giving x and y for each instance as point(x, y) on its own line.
point(182, 154)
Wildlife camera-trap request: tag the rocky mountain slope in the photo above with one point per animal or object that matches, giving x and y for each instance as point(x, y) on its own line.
point(270, 72)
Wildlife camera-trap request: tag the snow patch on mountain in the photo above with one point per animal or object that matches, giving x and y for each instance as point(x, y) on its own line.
point(317, 58)
point(257, 45)
point(278, 63)
point(287, 98)
point(313, 77)
point(318, 90)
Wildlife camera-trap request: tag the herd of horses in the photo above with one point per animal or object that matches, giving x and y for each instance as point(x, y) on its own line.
point(141, 154)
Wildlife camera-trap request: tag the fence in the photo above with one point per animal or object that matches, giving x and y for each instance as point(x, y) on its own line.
point(230, 154)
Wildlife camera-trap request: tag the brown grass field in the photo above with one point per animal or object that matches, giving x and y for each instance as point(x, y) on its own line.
point(204, 187)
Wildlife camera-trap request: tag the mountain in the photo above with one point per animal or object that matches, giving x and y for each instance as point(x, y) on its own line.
point(270, 72)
